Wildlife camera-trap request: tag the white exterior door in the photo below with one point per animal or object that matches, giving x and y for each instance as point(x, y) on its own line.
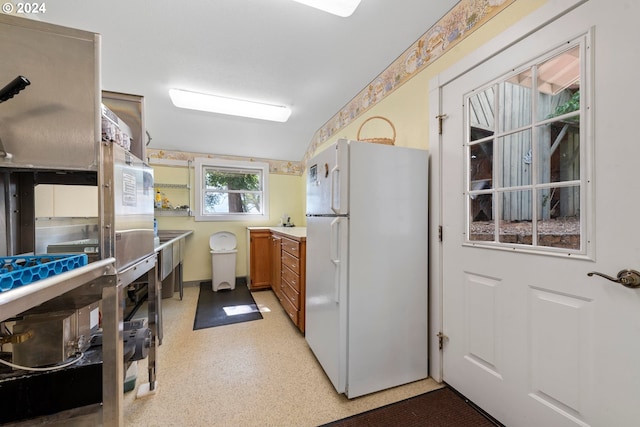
point(530, 337)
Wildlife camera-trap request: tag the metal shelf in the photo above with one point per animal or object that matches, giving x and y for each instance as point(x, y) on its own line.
point(173, 212)
point(176, 186)
point(182, 193)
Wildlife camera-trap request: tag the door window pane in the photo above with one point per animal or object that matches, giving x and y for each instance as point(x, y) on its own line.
point(516, 159)
point(558, 152)
point(481, 113)
point(515, 102)
point(481, 166)
point(559, 85)
point(515, 218)
point(482, 227)
point(559, 217)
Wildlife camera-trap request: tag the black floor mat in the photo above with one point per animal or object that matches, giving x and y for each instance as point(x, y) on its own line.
point(438, 408)
point(225, 306)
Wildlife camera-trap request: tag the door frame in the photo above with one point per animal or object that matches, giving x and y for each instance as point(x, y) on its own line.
point(550, 11)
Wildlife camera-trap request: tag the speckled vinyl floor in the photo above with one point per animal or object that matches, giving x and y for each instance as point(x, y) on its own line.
point(258, 373)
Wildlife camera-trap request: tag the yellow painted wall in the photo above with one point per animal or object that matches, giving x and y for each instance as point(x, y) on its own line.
point(407, 107)
point(284, 197)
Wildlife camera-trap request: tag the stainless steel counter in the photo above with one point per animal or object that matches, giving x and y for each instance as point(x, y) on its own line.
point(19, 300)
point(170, 252)
point(168, 237)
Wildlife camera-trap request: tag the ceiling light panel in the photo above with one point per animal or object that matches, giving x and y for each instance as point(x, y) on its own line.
point(229, 106)
point(341, 8)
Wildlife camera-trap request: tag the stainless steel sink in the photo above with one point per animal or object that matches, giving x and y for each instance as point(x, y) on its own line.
point(170, 257)
point(169, 234)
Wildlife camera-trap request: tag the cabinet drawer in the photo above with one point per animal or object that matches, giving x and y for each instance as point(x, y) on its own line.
point(290, 261)
point(291, 246)
point(291, 278)
point(292, 295)
point(290, 310)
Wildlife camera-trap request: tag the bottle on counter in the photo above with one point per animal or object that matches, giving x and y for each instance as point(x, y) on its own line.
point(158, 200)
point(166, 204)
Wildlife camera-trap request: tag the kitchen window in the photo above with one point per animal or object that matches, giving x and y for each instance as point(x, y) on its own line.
point(231, 190)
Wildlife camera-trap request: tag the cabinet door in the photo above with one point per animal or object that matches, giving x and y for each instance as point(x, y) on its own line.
point(260, 259)
point(276, 249)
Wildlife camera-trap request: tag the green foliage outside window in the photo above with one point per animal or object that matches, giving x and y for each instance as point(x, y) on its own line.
point(572, 104)
point(242, 189)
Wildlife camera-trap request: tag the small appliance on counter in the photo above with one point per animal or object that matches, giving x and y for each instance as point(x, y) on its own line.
point(285, 221)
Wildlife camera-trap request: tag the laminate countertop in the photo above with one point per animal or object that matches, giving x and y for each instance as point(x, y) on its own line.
point(298, 233)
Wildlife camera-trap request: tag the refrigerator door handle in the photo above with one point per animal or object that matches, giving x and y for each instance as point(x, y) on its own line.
point(334, 255)
point(335, 184)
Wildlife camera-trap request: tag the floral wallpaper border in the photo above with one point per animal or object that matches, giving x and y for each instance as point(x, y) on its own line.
point(464, 18)
point(459, 22)
point(282, 167)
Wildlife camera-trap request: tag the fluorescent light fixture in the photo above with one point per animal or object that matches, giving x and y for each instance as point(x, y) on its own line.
point(341, 8)
point(230, 106)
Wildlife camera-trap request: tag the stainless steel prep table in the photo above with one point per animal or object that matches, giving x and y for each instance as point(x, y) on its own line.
point(98, 280)
point(170, 252)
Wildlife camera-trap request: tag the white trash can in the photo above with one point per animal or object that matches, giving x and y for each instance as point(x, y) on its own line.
point(223, 260)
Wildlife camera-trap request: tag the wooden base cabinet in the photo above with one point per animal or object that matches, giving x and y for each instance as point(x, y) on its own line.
point(259, 259)
point(277, 260)
point(276, 255)
point(293, 269)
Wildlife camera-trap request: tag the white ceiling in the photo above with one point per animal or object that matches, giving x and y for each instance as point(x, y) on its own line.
point(273, 51)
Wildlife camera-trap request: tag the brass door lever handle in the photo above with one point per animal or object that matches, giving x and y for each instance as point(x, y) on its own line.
point(628, 278)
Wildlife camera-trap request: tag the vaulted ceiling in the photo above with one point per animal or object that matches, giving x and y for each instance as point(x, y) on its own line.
point(273, 51)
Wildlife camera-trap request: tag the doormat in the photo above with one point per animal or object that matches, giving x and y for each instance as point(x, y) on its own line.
point(225, 307)
point(439, 408)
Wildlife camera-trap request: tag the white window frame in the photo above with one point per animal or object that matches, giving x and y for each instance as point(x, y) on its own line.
point(202, 163)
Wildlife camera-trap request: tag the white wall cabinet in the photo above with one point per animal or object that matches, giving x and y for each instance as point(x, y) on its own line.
point(55, 201)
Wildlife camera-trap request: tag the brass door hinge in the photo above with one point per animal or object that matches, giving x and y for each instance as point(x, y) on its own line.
point(440, 117)
point(441, 338)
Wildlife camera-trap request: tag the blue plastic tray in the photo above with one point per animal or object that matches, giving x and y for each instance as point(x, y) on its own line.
point(16, 271)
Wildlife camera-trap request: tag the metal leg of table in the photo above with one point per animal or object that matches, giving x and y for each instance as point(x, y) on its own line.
point(155, 323)
point(112, 356)
point(180, 280)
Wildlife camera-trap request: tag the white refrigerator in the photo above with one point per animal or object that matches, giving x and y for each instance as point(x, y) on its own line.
point(366, 294)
